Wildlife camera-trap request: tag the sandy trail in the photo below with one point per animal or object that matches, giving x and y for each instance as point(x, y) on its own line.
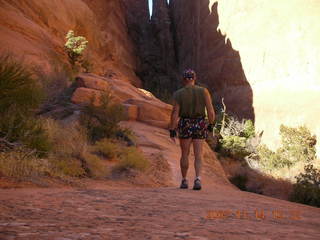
point(100, 212)
point(108, 210)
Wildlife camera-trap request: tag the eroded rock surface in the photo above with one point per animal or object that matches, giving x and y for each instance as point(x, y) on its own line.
point(36, 30)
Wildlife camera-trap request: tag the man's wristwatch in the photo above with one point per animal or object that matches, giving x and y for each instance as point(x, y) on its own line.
point(173, 133)
point(210, 127)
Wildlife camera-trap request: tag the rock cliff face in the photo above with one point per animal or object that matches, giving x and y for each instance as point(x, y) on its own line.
point(201, 47)
point(261, 56)
point(36, 29)
point(154, 43)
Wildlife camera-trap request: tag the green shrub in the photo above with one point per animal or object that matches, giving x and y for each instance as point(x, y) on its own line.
point(269, 160)
point(75, 46)
point(237, 139)
point(235, 146)
point(18, 89)
point(102, 121)
point(20, 96)
point(297, 145)
point(307, 188)
point(131, 158)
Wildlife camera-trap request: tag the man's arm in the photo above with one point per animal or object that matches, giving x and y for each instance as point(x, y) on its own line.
point(210, 110)
point(174, 115)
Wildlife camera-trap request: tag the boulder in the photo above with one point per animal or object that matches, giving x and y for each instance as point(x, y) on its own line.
point(84, 96)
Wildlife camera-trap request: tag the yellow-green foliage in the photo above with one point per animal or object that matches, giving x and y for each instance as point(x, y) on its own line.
point(131, 158)
point(60, 167)
point(235, 145)
point(126, 157)
point(237, 138)
point(22, 163)
point(107, 148)
point(269, 160)
point(75, 46)
point(297, 145)
point(95, 165)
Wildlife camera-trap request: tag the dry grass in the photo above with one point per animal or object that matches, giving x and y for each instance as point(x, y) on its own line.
point(108, 148)
point(131, 158)
point(21, 163)
point(97, 168)
point(71, 153)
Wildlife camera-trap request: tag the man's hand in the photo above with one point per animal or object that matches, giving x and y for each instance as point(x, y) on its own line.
point(173, 134)
point(210, 127)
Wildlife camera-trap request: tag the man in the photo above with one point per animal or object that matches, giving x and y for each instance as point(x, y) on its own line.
point(192, 104)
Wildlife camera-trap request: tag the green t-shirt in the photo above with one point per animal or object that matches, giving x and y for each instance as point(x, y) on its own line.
point(191, 100)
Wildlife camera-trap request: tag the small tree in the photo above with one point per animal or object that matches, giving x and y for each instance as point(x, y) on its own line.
point(307, 188)
point(297, 145)
point(75, 46)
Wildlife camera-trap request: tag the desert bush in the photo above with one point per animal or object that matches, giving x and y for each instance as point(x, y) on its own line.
point(102, 121)
point(69, 148)
point(68, 141)
point(61, 167)
point(131, 158)
point(20, 96)
point(270, 160)
point(237, 139)
point(95, 166)
point(297, 145)
point(75, 46)
point(107, 148)
point(307, 188)
point(18, 87)
point(21, 163)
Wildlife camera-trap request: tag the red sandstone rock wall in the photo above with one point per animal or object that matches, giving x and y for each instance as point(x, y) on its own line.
point(36, 29)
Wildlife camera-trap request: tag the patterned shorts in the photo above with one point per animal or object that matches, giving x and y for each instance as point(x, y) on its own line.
point(196, 128)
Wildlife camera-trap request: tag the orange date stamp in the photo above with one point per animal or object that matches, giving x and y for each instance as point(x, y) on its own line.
point(259, 214)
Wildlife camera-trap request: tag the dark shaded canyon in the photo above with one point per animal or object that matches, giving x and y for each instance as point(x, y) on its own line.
point(183, 34)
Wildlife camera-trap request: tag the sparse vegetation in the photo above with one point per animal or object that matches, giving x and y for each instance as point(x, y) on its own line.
point(131, 158)
point(20, 96)
point(126, 158)
point(307, 188)
point(107, 148)
point(75, 47)
point(22, 162)
point(102, 121)
point(236, 139)
point(297, 145)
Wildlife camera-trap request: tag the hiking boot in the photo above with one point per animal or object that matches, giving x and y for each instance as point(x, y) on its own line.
point(184, 183)
point(197, 184)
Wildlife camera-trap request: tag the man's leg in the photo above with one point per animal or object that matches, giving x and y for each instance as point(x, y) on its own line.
point(197, 149)
point(185, 150)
